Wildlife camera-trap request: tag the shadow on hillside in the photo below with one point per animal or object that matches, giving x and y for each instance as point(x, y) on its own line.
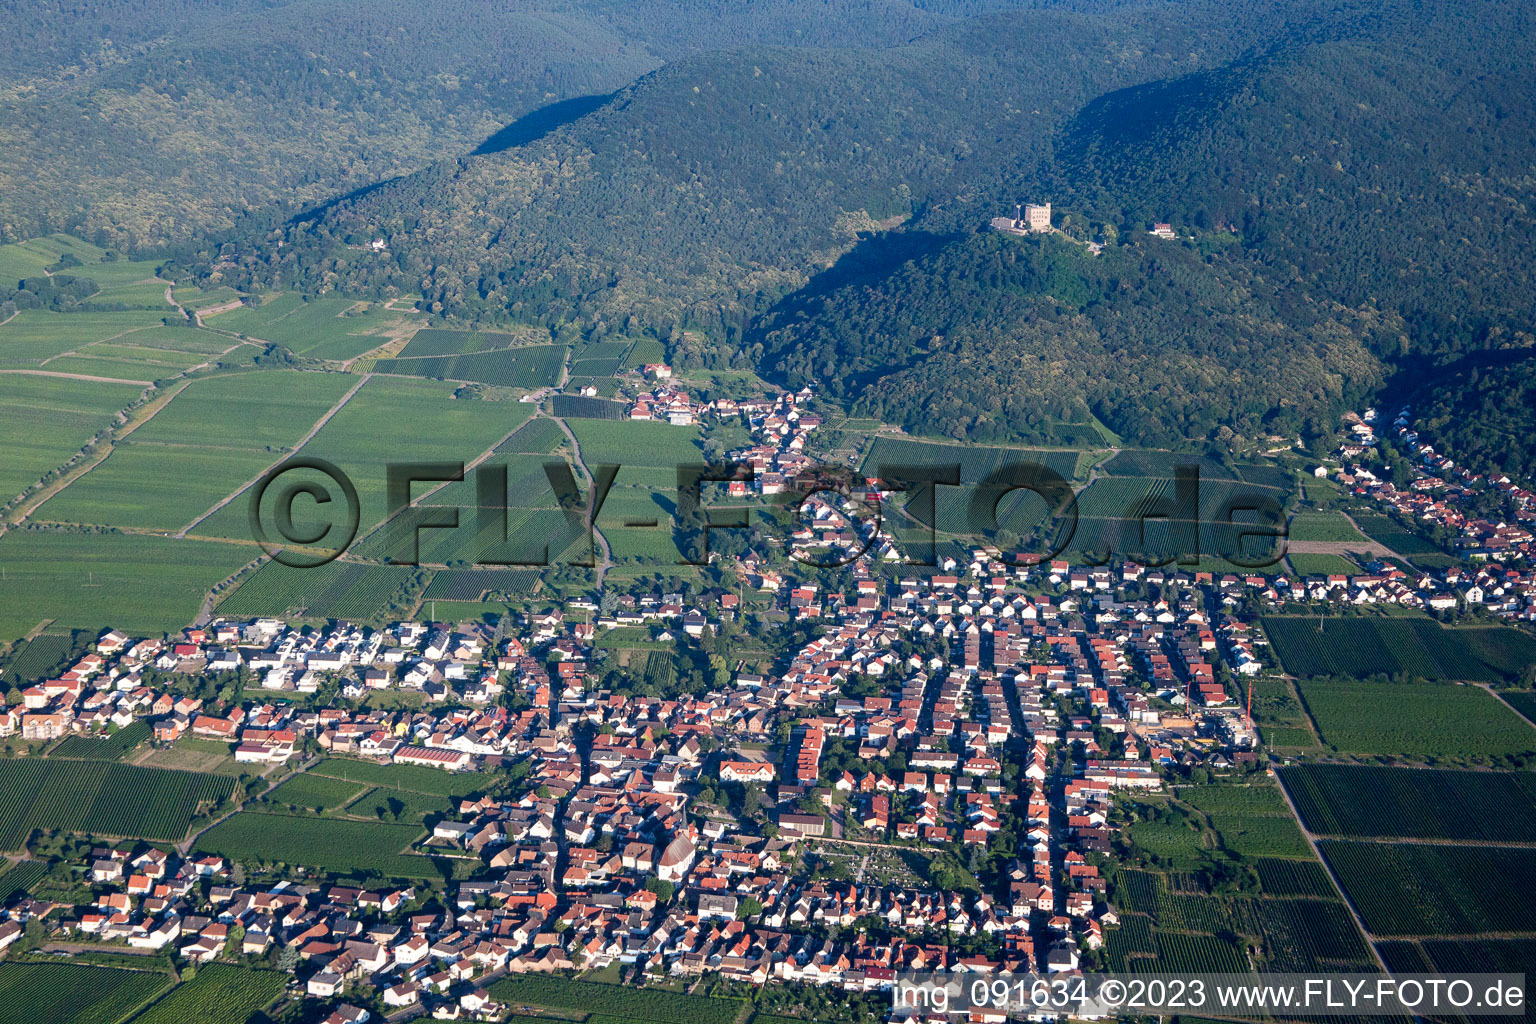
point(536, 124)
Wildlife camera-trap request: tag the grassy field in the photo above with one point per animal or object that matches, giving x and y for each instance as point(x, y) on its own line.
point(152, 486)
point(44, 993)
point(104, 798)
point(328, 327)
point(395, 421)
point(657, 445)
point(313, 793)
point(91, 581)
point(44, 421)
point(530, 367)
point(219, 994)
point(107, 748)
point(415, 778)
point(1415, 720)
point(340, 590)
point(1250, 820)
point(641, 1005)
point(1413, 646)
point(267, 410)
point(1361, 801)
point(1413, 889)
point(44, 655)
point(1322, 565)
point(1323, 526)
point(332, 845)
point(34, 336)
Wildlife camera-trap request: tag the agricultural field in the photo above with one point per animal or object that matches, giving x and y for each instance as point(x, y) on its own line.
point(1369, 801)
point(34, 336)
point(1411, 646)
point(219, 994)
point(532, 366)
point(100, 797)
point(1322, 565)
point(1434, 721)
point(1293, 878)
point(415, 778)
point(648, 1005)
point(143, 485)
point(1323, 526)
point(655, 445)
point(1417, 889)
point(1383, 530)
point(20, 877)
point(336, 590)
point(1250, 820)
point(381, 425)
point(44, 655)
point(106, 748)
point(313, 793)
point(46, 993)
point(44, 421)
point(333, 845)
point(267, 410)
point(475, 584)
point(329, 327)
point(579, 407)
point(1523, 701)
point(1304, 936)
point(140, 584)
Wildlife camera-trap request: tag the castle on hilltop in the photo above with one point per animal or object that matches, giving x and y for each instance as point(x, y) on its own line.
point(1029, 219)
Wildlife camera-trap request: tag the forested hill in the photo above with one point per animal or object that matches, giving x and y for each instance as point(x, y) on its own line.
point(139, 122)
point(719, 182)
point(1363, 209)
point(1355, 176)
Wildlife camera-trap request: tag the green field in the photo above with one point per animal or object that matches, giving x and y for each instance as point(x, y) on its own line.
point(44, 656)
point(328, 327)
point(1415, 720)
point(1384, 530)
point(333, 845)
point(45, 420)
point(656, 445)
point(1323, 526)
point(154, 486)
point(1293, 878)
point(313, 793)
point(100, 797)
point(336, 590)
point(615, 1000)
point(261, 409)
point(1414, 646)
point(1250, 820)
point(219, 994)
point(1322, 565)
point(415, 778)
point(44, 993)
point(392, 420)
point(138, 584)
point(1410, 889)
point(1361, 801)
point(107, 748)
point(474, 584)
point(534, 366)
point(34, 336)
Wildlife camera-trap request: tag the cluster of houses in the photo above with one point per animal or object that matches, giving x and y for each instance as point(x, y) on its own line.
point(1444, 496)
point(933, 711)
